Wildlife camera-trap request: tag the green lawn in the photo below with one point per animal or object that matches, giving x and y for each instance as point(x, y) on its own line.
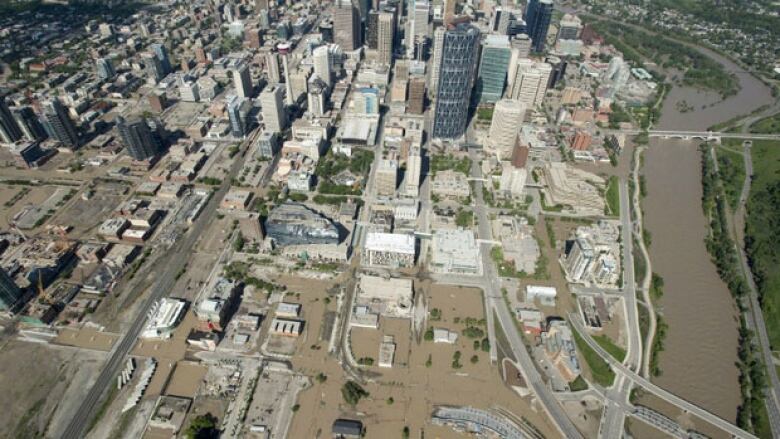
point(732, 170)
point(761, 231)
point(599, 368)
point(767, 125)
point(613, 197)
point(610, 346)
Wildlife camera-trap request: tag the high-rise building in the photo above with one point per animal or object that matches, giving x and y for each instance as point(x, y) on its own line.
point(530, 82)
point(9, 129)
point(538, 15)
point(200, 55)
point(105, 69)
point(416, 95)
point(346, 25)
point(456, 80)
point(272, 102)
point(242, 81)
point(29, 123)
point(267, 144)
point(372, 29)
point(189, 91)
point(236, 115)
point(386, 177)
point(411, 184)
point(58, 124)
point(569, 27)
point(284, 51)
point(316, 97)
point(417, 30)
point(10, 293)
point(321, 56)
point(138, 138)
point(272, 67)
point(162, 54)
point(438, 46)
point(153, 66)
point(385, 37)
point(493, 68)
point(508, 116)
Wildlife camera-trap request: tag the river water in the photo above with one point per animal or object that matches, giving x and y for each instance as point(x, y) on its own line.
point(698, 362)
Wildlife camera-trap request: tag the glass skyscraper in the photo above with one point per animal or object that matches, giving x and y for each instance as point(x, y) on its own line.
point(10, 293)
point(538, 15)
point(493, 68)
point(460, 47)
point(137, 138)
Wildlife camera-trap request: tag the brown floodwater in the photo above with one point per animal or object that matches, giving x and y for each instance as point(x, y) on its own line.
point(698, 362)
point(701, 342)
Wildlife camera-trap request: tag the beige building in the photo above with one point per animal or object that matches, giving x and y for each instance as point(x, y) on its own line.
point(386, 177)
point(507, 118)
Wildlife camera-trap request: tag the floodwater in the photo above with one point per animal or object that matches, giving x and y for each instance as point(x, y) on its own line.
point(752, 95)
point(698, 362)
point(701, 342)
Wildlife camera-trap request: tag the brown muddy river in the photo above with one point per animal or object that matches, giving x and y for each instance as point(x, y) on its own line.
point(701, 342)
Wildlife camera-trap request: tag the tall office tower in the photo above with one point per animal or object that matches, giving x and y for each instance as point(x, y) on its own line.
point(237, 120)
point(346, 25)
point(321, 56)
point(299, 81)
point(493, 68)
point(386, 177)
point(438, 46)
point(162, 54)
point(372, 29)
point(9, 129)
point(366, 100)
point(450, 8)
point(507, 118)
point(364, 6)
point(189, 91)
point(456, 79)
point(501, 20)
point(138, 138)
point(153, 66)
point(284, 51)
point(411, 184)
point(58, 124)
point(416, 95)
point(10, 293)
point(264, 19)
point(569, 27)
point(242, 81)
point(538, 15)
point(558, 70)
point(105, 69)
point(274, 115)
point(417, 26)
point(385, 37)
point(272, 67)
point(316, 97)
point(28, 122)
point(530, 83)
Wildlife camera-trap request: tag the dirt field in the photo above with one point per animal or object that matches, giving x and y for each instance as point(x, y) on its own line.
point(34, 196)
point(41, 385)
point(186, 379)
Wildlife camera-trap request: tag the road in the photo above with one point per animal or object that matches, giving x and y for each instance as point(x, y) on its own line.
point(667, 396)
point(702, 134)
point(614, 417)
point(179, 255)
point(639, 235)
point(495, 302)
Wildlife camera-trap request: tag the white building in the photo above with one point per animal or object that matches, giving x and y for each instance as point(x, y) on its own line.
point(411, 184)
point(274, 115)
point(546, 295)
point(389, 249)
point(455, 252)
point(507, 119)
point(163, 318)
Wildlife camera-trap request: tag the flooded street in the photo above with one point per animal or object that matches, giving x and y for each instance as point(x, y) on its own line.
point(701, 342)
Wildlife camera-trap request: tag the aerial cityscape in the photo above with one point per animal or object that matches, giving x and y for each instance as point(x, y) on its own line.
point(389, 219)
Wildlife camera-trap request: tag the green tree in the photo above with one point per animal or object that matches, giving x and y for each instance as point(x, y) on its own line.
point(203, 427)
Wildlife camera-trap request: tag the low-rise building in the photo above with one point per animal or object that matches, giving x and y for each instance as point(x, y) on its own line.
point(455, 252)
point(389, 250)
